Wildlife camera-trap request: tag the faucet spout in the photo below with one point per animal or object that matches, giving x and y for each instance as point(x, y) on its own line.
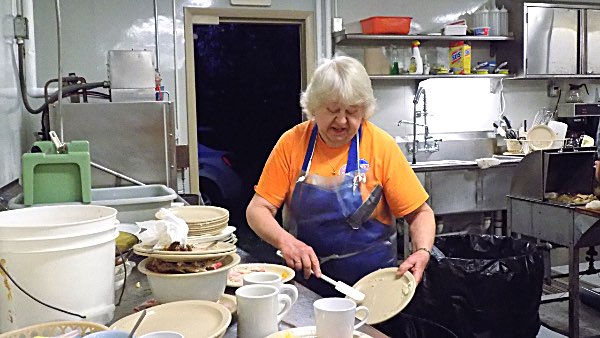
point(427, 147)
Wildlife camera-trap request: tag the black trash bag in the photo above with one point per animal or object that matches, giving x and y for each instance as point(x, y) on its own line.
point(406, 326)
point(482, 286)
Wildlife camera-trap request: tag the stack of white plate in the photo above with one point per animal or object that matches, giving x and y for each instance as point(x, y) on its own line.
point(200, 251)
point(201, 219)
point(226, 235)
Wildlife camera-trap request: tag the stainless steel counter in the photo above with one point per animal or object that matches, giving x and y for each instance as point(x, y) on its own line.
point(568, 226)
point(301, 313)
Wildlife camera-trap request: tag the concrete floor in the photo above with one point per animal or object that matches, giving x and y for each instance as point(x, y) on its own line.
point(555, 315)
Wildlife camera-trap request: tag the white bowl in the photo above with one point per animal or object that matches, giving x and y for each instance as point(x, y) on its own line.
point(208, 285)
point(120, 274)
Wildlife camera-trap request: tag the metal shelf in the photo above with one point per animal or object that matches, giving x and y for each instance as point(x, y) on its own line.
point(453, 76)
point(357, 39)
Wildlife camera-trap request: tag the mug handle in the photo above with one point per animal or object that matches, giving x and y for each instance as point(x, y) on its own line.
point(287, 305)
point(364, 320)
point(291, 291)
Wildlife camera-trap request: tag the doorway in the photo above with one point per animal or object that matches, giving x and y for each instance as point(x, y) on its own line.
point(247, 76)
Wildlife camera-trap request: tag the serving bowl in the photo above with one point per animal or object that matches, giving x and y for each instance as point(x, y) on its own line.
point(207, 285)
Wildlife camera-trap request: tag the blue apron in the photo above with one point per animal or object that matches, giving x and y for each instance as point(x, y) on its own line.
point(333, 219)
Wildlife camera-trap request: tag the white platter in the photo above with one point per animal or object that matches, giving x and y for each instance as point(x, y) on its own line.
point(191, 318)
point(236, 274)
point(382, 303)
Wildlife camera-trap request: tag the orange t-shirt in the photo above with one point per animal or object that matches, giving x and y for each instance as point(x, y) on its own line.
point(386, 165)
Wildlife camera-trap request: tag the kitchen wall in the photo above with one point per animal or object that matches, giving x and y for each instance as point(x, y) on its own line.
point(15, 126)
point(455, 105)
point(91, 28)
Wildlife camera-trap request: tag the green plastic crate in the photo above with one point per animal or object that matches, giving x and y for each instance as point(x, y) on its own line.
point(50, 177)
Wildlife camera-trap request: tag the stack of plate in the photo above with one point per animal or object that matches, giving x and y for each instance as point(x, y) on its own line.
point(200, 251)
point(226, 235)
point(201, 219)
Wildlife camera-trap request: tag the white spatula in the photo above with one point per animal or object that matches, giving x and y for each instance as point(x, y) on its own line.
point(342, 287)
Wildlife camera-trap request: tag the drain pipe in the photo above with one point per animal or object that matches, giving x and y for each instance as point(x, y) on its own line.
point(58, 38)
point(26, 9)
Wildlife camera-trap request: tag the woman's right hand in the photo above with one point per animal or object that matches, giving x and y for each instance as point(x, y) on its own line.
point(300, 256)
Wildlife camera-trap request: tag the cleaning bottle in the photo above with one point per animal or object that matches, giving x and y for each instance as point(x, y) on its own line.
point(416, 62)
point(426, 65)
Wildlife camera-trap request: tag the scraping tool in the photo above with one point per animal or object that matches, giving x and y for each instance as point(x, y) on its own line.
point(339, 285)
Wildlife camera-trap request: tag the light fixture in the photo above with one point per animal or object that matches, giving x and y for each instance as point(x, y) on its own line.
point(251, 2)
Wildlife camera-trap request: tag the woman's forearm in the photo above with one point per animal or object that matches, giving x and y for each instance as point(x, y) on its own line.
point(260, 215)
point(421, 224)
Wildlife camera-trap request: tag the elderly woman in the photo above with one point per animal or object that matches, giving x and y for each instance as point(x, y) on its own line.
point(342, 182)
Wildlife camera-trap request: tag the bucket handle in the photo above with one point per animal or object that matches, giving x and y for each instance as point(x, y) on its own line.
point(32, 297)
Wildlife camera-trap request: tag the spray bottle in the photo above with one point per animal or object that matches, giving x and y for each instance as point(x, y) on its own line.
point(416, 62)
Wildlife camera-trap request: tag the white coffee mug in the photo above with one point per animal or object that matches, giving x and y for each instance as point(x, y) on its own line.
point(259, 311)
point(335, 317)
point(271, 278)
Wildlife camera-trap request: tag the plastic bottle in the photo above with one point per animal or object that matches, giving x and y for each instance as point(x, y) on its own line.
point(416, 62)
point(485, 17)
point(503, 22)
point(494, 21)
point(426, 65)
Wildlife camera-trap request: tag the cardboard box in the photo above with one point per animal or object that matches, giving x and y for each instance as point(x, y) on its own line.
point(460, 58)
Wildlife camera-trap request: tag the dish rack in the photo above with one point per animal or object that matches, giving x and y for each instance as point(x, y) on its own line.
point(52, 329)
point(524, 147)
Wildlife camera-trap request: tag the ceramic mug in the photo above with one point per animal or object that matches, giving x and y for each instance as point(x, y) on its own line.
point(271, 278)
point(260, 309)
point(335, 317)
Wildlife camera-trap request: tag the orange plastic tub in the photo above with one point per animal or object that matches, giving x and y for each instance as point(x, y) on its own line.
point(386, 25)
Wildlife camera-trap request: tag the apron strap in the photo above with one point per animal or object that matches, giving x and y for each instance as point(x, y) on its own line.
point(353, 161)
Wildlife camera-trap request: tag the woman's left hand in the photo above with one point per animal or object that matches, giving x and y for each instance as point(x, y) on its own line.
point(416, 263)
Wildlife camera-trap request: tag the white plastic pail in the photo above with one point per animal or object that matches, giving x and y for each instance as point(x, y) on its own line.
point(55, 221)
point(74, 273)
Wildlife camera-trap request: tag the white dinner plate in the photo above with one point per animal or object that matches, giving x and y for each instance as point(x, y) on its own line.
point(308, 332)
point(184, 258)
point(229, 301)
point(382, 303)
point(540, 137)
point(235, 276)
point(197, 248)
point(209, 238)
point(200, 214)
point(191, 318)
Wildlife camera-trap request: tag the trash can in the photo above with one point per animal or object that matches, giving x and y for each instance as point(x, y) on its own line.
point(406, 326)
point(482, 286)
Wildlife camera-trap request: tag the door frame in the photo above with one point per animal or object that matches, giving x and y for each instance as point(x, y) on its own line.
point(214, 16)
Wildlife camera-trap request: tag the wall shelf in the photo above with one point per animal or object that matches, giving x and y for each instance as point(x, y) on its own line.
point(356, 39)
point(453, 76)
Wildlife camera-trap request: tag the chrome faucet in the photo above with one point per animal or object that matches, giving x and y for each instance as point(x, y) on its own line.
point(427, 145)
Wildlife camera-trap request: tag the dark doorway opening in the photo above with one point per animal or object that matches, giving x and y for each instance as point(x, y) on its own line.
point(248, 82)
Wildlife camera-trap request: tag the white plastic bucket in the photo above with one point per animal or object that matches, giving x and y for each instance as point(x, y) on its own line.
point(74, 273)
point(55, 221)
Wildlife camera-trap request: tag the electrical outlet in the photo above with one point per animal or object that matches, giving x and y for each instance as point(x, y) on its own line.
point(553, 90)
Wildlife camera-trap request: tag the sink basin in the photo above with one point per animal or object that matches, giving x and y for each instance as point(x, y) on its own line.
point(447, 163)
point(440, 163)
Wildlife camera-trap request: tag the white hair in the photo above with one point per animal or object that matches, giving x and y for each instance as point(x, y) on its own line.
point(343, 80)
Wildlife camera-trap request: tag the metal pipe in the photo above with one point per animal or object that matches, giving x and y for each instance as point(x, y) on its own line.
point(30, 56)
point(156, 33)
point(175, 102)
point(58, 38)
point(117, 174)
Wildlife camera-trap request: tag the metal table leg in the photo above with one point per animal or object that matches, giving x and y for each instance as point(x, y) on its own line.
point(573, 292)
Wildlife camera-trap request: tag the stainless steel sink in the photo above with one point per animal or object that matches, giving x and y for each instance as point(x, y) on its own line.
point(442, 163)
